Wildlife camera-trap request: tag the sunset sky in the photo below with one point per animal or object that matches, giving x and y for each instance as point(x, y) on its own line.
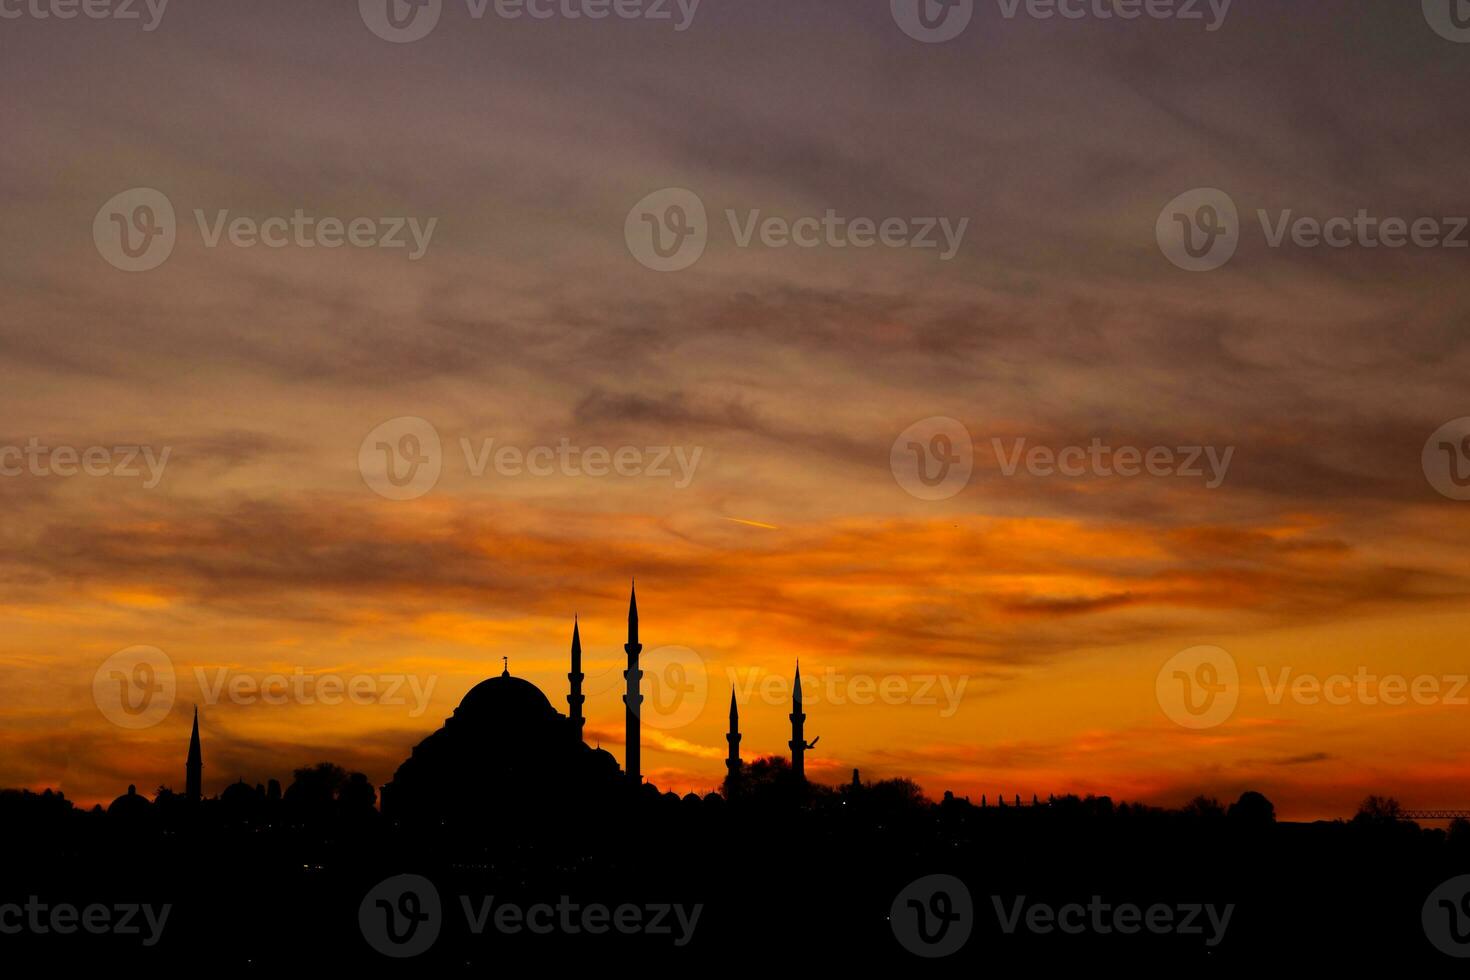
point(1050, 601)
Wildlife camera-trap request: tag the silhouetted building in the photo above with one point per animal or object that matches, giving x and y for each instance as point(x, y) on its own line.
point(633, 699)
point(194, 767)
point(575, 697)
point(732, 764)
point(129, 806)
point(505, 753)
point(798, 743)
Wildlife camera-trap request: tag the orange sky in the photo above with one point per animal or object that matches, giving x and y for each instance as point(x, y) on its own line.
point(1046, 605)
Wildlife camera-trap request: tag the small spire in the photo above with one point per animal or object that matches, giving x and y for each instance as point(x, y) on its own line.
point(506, 671)
point(734, 713)
point(633, 613)
point(796, 689)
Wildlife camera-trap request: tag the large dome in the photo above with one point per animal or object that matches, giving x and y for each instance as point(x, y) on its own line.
point(505, 699)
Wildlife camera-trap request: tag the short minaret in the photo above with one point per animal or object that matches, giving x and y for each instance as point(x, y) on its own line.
point(798, 743)
point(194, 768)
point(575, 698)
point(732, 764)
point(633, 700)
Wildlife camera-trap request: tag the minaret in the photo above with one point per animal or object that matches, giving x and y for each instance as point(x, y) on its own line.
point(798, 743)
point(633, 762)
point(575, 699)
point(194, 768)
point(732, 764)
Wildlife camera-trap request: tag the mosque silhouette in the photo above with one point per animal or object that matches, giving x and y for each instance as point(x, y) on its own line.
point(506, 753)
point(506, 803)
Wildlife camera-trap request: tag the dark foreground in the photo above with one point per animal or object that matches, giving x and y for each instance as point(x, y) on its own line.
point(772, 884)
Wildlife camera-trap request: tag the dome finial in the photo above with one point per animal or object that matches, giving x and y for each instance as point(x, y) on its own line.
point(505, 672)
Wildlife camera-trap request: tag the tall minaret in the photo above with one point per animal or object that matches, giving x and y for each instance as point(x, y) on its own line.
point(633, 762)
point(798, 743)
point(732, 764)
point(575, 699)
point(194, 768)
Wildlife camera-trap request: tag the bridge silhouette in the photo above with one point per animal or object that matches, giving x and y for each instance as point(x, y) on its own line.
point(1435, 814)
